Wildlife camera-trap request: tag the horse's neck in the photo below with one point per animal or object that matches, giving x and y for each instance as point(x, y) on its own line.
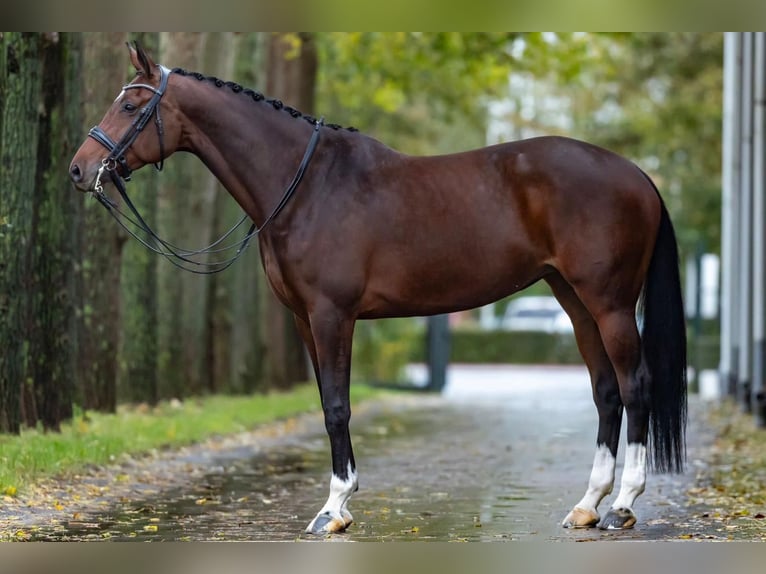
point(252, 149)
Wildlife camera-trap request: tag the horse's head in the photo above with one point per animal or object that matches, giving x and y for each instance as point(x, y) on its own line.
point(120, 141)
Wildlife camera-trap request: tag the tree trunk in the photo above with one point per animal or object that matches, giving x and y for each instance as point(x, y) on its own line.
point(138, 381)
point(100, 240)
point(235, 318)
point(181, 295)
point(219, 59)
point(291, 77)
point(51, 355)
point(20, 81)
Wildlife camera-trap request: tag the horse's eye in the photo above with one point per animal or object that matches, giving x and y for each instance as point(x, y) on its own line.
point(128, 107)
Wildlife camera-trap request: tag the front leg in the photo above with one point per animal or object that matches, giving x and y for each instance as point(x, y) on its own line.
point(332, 334)
point(334, 515)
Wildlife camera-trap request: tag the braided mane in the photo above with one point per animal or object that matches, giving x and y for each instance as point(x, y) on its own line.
point(256, 96)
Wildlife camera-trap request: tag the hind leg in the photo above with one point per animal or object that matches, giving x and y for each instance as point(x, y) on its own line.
point(607, 398)
point(623, 344)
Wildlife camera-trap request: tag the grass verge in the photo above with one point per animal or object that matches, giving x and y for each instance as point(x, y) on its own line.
point(95, 438)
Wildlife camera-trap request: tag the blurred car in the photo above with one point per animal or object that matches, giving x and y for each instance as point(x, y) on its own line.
point(536, 313)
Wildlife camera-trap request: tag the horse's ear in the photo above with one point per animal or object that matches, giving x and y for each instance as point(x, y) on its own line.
point(141, 61)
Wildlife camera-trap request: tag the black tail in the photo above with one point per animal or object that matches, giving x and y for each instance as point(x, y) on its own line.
point(664, 351)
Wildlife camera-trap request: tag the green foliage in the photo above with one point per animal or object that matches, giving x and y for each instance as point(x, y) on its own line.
point(409, 89)
point(512, 347)
point(383, 348)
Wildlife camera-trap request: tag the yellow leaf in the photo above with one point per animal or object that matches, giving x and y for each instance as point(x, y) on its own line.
point(200, 501)
point(10, 490)
point(151, 528)
point(58, 506)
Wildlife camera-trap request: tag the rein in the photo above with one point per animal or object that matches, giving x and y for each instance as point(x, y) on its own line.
point(179, 257)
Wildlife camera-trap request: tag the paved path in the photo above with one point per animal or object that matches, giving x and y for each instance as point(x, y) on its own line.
point(503, 454)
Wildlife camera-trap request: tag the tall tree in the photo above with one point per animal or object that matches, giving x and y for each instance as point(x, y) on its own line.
point(238, 335)
point(51, 356)
point(219, 58)
point(138, 381)
point(181, 205)
point(100, 241)
point(291, 76)
point(20, 82)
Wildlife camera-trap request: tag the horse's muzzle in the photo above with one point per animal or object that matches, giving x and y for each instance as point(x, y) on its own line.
point(79, 178)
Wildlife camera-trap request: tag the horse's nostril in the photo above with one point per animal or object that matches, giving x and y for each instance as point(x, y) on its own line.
point(75, 173)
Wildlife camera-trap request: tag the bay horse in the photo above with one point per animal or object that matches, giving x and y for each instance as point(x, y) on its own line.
point(368, 232)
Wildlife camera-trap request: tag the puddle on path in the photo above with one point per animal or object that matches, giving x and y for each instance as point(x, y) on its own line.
point(439, 471)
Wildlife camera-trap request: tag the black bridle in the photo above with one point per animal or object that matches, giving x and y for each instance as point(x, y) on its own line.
point(117, 150)
point(116, 166)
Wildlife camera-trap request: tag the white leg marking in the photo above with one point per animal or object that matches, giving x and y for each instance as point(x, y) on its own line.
point(585, 513)
point(601, 479)
point(340, 492)
point(633, 476)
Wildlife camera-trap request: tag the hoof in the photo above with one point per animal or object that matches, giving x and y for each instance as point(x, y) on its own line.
point(581, 518)
point(618, 519)
point(326, 523)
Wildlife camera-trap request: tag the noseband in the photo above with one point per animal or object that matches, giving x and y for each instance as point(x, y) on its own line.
point(117, 150)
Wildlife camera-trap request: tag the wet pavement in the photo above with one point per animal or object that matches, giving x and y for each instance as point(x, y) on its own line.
point(503, 454)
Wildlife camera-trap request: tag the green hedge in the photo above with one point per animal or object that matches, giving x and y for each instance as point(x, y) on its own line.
point(382, 348)
point(704, 352)
point(519, 347)
point(541, 348)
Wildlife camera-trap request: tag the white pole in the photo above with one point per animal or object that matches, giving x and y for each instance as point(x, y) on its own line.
point(758, 400)
point(746, 228)
point(730, 210)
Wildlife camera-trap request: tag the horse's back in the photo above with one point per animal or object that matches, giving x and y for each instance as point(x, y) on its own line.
point(460, 230)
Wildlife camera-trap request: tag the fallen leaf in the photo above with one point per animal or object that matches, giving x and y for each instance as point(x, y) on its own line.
point(151, 528)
